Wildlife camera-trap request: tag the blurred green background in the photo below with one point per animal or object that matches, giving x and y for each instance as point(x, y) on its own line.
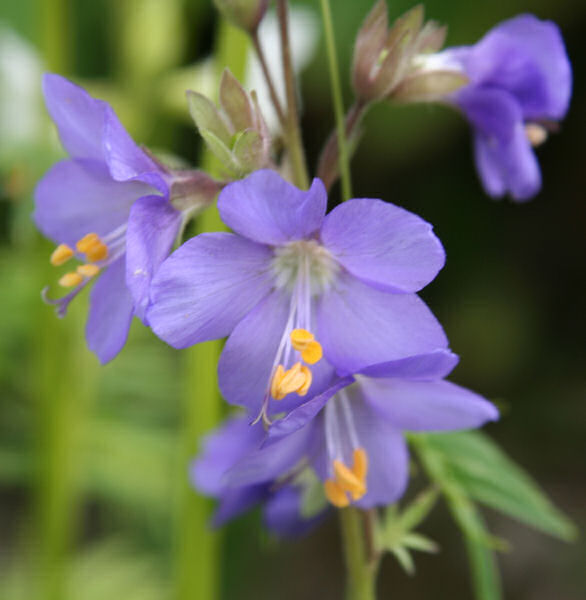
point(93, 495)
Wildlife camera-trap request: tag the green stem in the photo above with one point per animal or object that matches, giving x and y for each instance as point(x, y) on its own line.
point(294, 140)
point(343, 155)
point(361, 570)
point(198, 549)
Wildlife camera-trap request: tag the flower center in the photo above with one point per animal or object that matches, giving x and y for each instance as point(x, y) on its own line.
point(305, 259)
point(347, 458)
point(96, 253)
point(303, 269)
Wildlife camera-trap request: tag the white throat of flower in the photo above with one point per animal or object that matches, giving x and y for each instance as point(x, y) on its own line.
point(304, 269)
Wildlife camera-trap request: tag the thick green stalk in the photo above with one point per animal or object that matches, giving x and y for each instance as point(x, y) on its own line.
point(198, 548)
point(343, 155)
point(294, 139)
point(361, 571)
point(63, 382)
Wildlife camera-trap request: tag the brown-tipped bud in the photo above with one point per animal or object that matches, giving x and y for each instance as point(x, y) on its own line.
point(193, 190)
point(384, 57)
point(235, 131)
point(246, 14)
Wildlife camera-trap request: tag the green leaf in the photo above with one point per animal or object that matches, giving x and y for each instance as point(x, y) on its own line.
point(248, 150)
point(313, 499)
point(235, 102)
point(221, 151)
point(405, 559)
point(416, 541)
point(207, 117)
point(490, 477)
point(421, 506)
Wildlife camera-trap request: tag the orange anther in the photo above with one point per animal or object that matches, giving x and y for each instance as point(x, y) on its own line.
point(360, 463)
point(70, 279)
point(88, 270)
point(308, 379)
point(97, 252)
point(87, 241)
point(61, 255)
point(335, 494)
point(346, 479)
point(303, 341)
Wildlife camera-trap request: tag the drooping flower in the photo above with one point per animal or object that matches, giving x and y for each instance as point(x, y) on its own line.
point(109, 206)
point(520, 85)
point(353, 433)
point(293, 285)
point(282, 498)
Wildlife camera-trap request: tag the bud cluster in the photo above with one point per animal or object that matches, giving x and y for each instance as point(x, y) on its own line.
point(235, 131)
point(385, 59)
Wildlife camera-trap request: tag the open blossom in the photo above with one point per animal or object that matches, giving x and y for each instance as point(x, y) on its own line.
point(299, 293)
point(109, 207)
point(352, 434)
point(520, 84)
point(281, 498)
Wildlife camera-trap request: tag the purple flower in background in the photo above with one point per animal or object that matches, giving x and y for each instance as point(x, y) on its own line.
point(281, 498)
point(108, 205)
point(292, 285)
point(352, 434)
point(520, 84)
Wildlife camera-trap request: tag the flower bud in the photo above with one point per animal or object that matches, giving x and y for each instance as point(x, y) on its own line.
point(246, 14)
point(384, 57)
point(235, 131)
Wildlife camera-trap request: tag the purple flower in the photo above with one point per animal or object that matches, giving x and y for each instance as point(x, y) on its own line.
point(520, 82)
point(281, 497)
point(352, 434)
point(108, 205)
point(292, 285)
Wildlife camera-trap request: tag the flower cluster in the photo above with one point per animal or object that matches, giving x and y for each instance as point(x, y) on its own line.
point(330, 352)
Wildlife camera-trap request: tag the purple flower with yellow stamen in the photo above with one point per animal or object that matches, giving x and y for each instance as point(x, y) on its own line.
point(520, 85)
point(292, 285)
point(353, 433)
point(108, 205)
point(281, 497)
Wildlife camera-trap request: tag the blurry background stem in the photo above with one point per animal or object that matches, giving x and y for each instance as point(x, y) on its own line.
point(343, 155)
point(293, 128)
point(198, 552)
point(361, 571)
point(63, 378)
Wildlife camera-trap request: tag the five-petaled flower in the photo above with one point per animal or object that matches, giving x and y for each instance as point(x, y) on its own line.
point(299, 293)
point(520, 85)
point(108, 205)
point(352, 433)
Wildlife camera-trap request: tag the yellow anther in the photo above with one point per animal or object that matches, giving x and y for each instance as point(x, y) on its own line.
point(61, 255)
point(87, 241)
point(335, 494)
point(97, 252)
point(300, 337)
point(88, 270)
point(307, 383)
point(276, 382)
point(93, 247)
point(296, 379)
point(70, 279)
point(312, 353)
point(347, 479)
point(303, 341)
point(360, 463)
